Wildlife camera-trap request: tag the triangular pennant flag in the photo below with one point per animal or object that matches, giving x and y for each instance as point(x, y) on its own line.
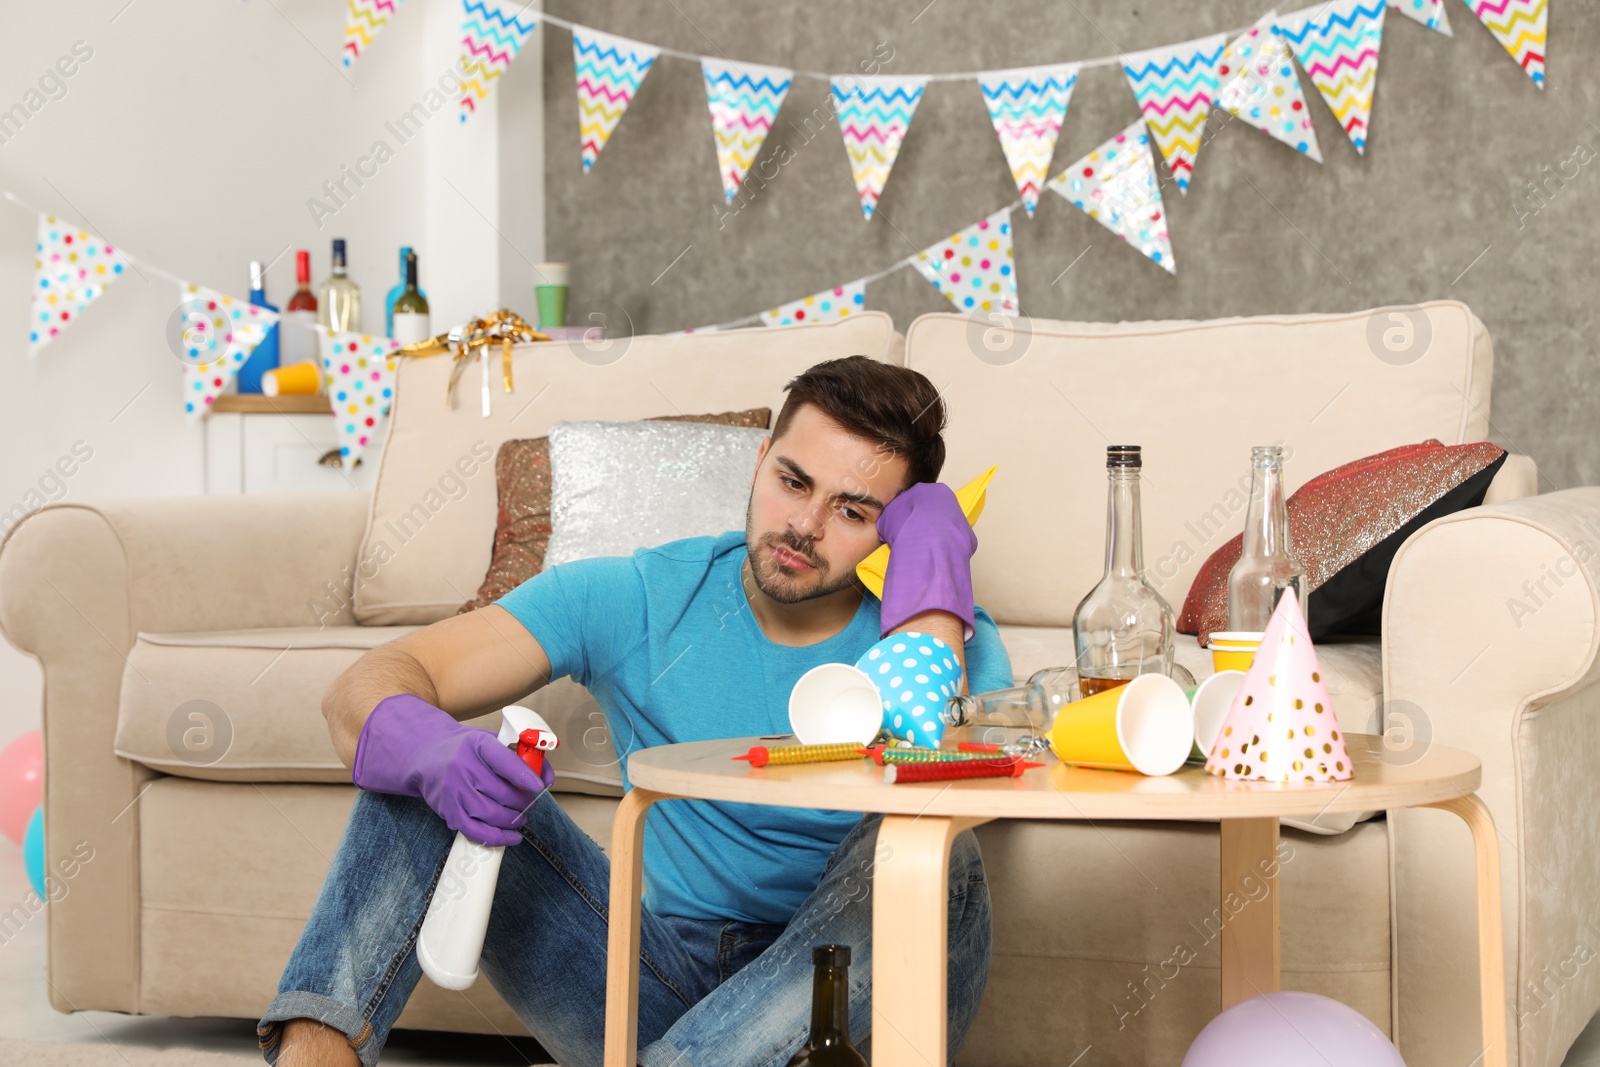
point(1520, 26)
point(830, 305)
point(1430, 13)
point(492, 33)
point(973, 268)
point(359, 373)
point(1116, 186)
point(1337, 43)
point(1281, 727)
point(1175, 87)
point(609, 71)
point(71, 268)
point(874, 114)
point(1027, 107)
point(363, 20)
point(1259, 84)
point(744, 100)
point(216, 334)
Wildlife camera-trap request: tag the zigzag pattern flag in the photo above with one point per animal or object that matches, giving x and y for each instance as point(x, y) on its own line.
point(1027, 107)
point(71, 268)
point(874, 114)
point(217, 334)
point(744, 101)
point(492, 33)
point(1428, 12)
point(830, 305)
point(363, 19)
point(359, 373)
point(1337, 43)
point(609, 71)
point(1175, 87)
point(1520, 26)
point(1116, 186)
point(1259, 84)
point(973, 268)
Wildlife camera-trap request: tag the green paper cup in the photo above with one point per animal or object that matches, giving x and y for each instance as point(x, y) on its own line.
point(1212, 700)
point(550, 286)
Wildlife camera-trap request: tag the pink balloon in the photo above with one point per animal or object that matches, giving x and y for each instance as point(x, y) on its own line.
point(21, 783)
point(1291, 1030)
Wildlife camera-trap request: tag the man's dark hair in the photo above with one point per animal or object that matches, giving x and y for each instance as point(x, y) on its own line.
point(896, 407)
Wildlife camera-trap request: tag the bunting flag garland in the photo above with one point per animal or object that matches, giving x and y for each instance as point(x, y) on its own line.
point(1116, 186)
point(363, 20)
point(1027, 107)
point(492, 33)
point(1430, 13)
point(71, 268)
point(1520, 26)
point(1175, 87)
point(218, 333)
point(1337, 43)
point(1259, 84)
point(973, 267)
point(830, 305)
point(359, 373)
point(609, 71)
point(744, 100)
point(874, 114)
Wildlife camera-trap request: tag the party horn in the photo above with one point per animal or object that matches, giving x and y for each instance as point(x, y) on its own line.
point(297, 379)
point(929, 755)
point(971, 498)
point(900, 773)
point(1145, 725)
point(762, 755)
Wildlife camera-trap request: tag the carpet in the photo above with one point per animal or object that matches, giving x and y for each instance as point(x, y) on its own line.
point(104, 1054)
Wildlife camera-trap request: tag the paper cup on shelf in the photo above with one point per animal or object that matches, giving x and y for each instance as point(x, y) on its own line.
point(1211, 700)
point(834, 703)
point(1146, 725)
point(1233, 650)
point(297, 379)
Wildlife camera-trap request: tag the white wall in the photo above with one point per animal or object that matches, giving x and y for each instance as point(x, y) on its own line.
point(193, 138)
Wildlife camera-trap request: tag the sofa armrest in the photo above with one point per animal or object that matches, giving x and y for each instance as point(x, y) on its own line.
point(1517, 477)
point(1491, 626)
point(77, 583)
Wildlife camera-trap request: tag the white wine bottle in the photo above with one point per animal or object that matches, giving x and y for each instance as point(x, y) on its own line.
point(339, 298)
point(411, 308)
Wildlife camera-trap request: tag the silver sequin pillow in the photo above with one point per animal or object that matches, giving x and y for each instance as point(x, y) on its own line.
point(619, 486)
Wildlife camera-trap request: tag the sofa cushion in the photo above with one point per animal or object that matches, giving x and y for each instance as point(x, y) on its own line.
point(431, 528)
point(1196, 396)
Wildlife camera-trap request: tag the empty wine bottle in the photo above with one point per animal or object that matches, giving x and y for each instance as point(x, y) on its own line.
point(829, 1044)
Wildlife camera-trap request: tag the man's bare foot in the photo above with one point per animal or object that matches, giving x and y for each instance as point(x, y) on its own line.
point(310, 1043)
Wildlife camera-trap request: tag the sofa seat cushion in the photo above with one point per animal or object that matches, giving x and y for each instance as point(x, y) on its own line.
point(246, 706)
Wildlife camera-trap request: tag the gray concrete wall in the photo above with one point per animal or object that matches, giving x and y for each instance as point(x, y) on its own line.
point(1430, 212)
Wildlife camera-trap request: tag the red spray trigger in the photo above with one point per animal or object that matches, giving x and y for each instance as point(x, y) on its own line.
point(532, 745)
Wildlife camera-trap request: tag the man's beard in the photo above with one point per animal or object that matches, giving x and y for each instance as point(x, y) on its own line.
point(777, 584)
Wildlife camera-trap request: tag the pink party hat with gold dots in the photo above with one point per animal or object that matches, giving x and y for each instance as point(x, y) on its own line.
point(1281, 726)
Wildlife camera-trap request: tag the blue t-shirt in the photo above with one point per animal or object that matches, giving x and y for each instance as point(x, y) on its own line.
point(665, 642)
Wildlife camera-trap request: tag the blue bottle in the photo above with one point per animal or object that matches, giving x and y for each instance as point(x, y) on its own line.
point(265, 357)
point(394, 294)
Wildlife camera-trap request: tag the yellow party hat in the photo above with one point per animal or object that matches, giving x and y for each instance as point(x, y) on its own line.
point(971, 498)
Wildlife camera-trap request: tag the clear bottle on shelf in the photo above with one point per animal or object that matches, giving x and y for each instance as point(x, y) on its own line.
point(339, 298)
point(1267, 565)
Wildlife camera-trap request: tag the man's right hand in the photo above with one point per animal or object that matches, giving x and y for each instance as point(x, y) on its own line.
point(478, 786)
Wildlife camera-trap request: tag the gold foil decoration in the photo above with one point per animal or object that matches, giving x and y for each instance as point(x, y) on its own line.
point(473, 339)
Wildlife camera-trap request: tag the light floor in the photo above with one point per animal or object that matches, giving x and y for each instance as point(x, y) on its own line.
point(25, 1012)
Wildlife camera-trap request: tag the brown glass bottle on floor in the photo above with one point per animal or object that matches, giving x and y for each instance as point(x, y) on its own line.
point(830, 1045)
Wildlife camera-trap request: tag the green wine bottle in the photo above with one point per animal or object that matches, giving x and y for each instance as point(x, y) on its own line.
point(829, 1045)
point(411, 308)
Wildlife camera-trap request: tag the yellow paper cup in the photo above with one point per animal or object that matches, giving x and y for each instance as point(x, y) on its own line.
point(834, 703)
point(1212, 699)
point(1233, 650)
point(297, 379)
point(1145, 726)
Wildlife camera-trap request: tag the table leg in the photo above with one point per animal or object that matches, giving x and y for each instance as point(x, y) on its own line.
point(1491, 934)
point(1250, 959)
point(910, 939)
point(622, 935)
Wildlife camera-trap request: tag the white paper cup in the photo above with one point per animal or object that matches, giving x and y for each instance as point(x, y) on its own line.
point(834, 703)
point(1213, 699)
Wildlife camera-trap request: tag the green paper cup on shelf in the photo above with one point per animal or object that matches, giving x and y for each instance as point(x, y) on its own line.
point(550, 284)
point(1211, 700)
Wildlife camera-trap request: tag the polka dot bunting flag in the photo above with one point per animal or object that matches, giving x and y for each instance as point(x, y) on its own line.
point(71, 268)
point(1281, 727)
point(973, 268)
point(1259, 84)
point(358, 372)
point(830, 305)
point(1116, 186)
point(915, 674)
point(215, 334)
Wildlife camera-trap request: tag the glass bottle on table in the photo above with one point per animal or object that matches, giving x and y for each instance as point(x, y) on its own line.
point(1018, 719)
point(299, 322)
point(1267, 565)
point(410, 308)
point(339, 298)
point(829, 1044)
point(1123, 628)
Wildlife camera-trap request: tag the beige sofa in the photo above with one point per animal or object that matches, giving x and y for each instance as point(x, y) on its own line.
point(209, 847)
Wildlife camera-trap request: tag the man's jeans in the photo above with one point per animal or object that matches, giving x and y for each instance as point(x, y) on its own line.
point(711, 993)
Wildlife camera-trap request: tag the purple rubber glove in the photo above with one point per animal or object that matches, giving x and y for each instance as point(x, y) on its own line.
point(478, 786)
point(930, 556)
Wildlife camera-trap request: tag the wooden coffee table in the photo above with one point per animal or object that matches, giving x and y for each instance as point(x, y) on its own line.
point(920, 821)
